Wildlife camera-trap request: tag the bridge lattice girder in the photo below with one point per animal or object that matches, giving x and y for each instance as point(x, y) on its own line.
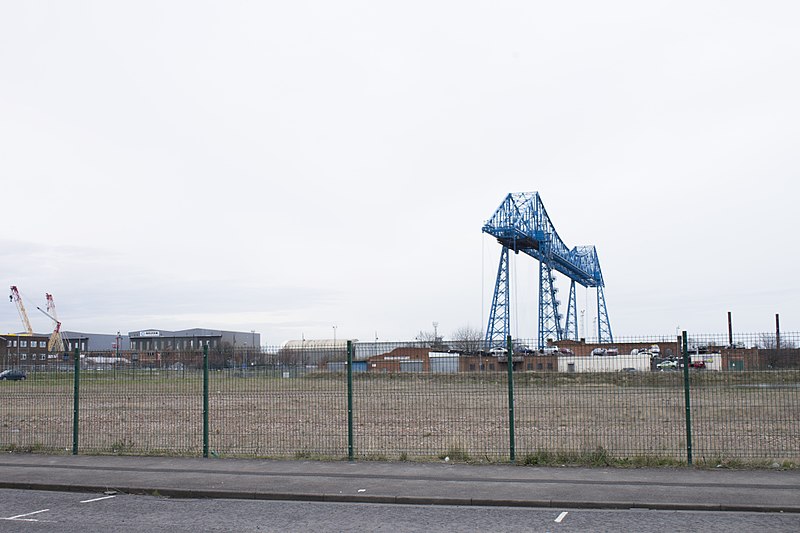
point(521, 224)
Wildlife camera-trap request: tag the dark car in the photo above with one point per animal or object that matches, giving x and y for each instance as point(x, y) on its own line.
point(13, 375)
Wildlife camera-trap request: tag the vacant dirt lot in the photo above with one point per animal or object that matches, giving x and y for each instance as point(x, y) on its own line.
point(741, 417)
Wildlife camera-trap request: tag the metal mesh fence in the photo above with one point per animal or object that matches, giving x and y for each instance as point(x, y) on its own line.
point(578, 416)
point(745, 415)
point(36, 413)
point(415, 402)
point(149, 411)
point(288, 410)
point(572, 402)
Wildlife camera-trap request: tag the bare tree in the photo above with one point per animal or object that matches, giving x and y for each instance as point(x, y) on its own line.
point(768, 341)
point(427, 337)
point(467, 339)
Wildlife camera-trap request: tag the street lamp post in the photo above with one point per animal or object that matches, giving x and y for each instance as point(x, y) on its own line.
point(334, 343)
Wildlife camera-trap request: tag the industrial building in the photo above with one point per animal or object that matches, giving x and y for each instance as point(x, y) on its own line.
point(25, 350)
point(313, 351)
point(149, 340)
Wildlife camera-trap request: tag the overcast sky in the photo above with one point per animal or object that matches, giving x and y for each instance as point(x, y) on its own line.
point(288, 167)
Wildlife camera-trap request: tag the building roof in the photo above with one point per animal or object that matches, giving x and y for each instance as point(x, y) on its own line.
point(315, 344)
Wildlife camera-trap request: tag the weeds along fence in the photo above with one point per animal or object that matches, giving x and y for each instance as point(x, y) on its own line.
point(706, 402)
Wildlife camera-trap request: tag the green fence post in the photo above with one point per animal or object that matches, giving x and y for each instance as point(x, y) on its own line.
point(510, 365)
point(76, 400)
point(205, 400)
point(687, 399)
point(350, 400)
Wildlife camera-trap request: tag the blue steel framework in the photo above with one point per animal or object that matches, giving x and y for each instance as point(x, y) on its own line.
point(521, 224)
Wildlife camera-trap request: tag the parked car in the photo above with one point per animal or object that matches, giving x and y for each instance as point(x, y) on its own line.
point(498, 351)
point(667, 365)
point(599, 351)
point(12, 375)
point(698, 365)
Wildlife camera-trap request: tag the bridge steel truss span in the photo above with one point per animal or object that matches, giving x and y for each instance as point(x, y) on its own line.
point(521, 224)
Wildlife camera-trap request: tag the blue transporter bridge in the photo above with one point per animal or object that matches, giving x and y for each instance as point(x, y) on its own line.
point(521, 224)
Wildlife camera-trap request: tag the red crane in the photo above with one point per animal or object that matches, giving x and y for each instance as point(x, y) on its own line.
point(17, 299)
point(56, 343)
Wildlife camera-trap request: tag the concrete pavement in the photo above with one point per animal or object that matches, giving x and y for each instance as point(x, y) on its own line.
point(413, 483)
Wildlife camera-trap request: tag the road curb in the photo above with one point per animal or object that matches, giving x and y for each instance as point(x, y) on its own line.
point(172, 492)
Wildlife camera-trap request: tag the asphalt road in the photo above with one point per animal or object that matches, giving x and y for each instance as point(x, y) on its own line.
point(45, 511)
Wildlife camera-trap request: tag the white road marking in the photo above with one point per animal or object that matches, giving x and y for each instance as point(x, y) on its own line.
point(561, 517)
point(19, 516)
point(98, 499)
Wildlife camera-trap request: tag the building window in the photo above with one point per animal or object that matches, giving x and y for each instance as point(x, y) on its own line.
point(43, 357)
point(42, 344)
point(23, 344)
point(23, 356)
point(472, 367)
point(539, 366)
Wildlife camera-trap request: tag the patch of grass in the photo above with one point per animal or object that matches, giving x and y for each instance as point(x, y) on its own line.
point(600, 457)
point(597, 457)
point(456, 453)
point(36, 447)
point(648, 461)
point(309, 456)
point(122, 447)
point(538, 458)
point(721, 461)
point(373, 457)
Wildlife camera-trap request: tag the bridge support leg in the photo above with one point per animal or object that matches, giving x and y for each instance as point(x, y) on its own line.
point(499, 321)
point(603, 324)
point(549, 317)
point(571, 330)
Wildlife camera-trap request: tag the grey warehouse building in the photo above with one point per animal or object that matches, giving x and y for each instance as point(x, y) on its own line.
point(147, 340)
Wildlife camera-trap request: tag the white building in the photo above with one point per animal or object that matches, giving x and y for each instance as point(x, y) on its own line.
point(604, 363)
